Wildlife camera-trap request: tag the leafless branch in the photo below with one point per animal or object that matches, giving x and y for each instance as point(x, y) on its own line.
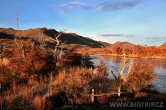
point(62, 45)
point(2, 48)
point(115, 77)
point(20, 43)
point(130, 67)
point(42, 41)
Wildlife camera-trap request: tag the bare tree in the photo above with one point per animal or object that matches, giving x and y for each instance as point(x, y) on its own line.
point(61, 51)
point(42, 41)
point(57, 53)
point(118, 78)
point(18, 41)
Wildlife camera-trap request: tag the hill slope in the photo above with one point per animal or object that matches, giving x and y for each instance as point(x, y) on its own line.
point(122, 45)
point(35, 34)
point(163, 45)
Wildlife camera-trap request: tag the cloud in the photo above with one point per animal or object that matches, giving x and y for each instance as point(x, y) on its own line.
point(75, 4)
point(155, 38)
point(103, 6)
point(117, 35)
point(112, 6)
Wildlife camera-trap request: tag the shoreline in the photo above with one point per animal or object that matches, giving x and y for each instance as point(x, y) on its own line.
point(131, 56)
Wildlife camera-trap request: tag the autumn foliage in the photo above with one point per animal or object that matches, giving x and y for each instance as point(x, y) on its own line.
point(140, 77)
point(132, 50)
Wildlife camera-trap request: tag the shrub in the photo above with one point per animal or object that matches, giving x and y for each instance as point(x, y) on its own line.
point(73, 84)
point(30, 58)
point(140, 77)
point(140, 94)
point(100, 82)
point(39, 103)
point(102, 69)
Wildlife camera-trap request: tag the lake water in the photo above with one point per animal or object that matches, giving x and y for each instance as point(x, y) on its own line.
point(159, 66)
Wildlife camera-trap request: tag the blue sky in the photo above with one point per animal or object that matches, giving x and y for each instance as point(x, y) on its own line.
point(136, 21)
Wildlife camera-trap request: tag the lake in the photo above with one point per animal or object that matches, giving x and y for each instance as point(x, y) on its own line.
point(159, 66)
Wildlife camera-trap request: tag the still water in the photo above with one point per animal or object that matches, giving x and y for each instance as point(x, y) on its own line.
point(159, 66)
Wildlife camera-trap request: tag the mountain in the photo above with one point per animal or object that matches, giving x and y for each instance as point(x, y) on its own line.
point(122, 45)
point(163, 45)
point(80, 44)
point(105, 44)
point(44, 33)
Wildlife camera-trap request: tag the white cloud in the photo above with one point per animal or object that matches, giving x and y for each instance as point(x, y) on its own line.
point(75, 4)
point(116, 35)
point(103, 6)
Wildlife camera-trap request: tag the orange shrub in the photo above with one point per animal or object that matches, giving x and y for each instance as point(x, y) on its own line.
point(141, 76)
point(38, 103)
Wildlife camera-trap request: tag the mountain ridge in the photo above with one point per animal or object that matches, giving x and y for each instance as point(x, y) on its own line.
point(68, 38)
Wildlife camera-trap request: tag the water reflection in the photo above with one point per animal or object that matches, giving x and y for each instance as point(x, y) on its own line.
point(158, 65)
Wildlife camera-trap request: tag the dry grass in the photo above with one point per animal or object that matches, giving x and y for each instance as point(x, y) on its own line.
point(71, 85)
point(38, 93)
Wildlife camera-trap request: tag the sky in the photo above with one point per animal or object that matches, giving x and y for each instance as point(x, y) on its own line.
point(136, 21)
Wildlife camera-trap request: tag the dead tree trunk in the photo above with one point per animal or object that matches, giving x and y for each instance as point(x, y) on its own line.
point(92, 96)
point(56, 53)
point(18, 41)
point(118, 78)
